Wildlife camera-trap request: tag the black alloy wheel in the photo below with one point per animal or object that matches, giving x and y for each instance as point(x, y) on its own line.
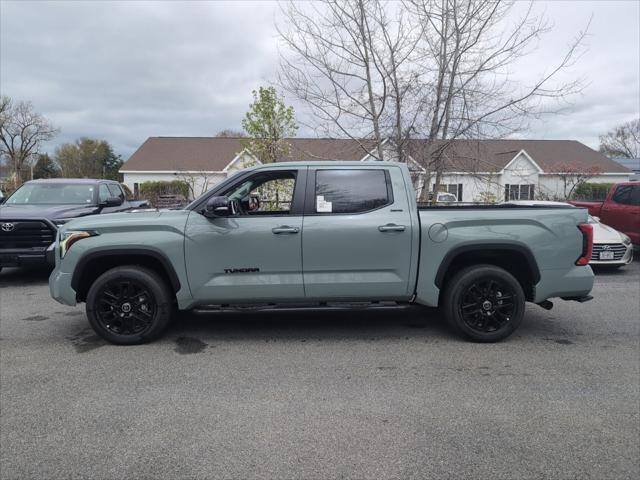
point(125, 307)
point(129, 305)
point(487, 305)
point(483, 303)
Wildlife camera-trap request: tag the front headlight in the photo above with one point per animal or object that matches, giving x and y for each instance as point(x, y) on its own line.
point(68, 238)
point(625, 239)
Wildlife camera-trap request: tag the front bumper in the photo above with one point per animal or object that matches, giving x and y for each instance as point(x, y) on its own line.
point(60, 288)
point(25, 258)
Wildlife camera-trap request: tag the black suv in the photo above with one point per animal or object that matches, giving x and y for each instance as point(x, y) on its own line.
point(29, 218)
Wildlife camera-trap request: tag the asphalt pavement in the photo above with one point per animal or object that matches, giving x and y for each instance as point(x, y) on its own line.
point(321, 395)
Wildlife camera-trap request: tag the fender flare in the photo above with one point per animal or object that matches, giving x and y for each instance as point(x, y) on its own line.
point(125, 252)
point(483, 247)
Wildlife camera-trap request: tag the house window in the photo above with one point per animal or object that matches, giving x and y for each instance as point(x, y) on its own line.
point(518, 192)
point(455, 188)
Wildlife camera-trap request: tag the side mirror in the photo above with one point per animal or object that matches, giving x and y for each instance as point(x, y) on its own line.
point(111, 202)
point(2, 200)
point(220, 207)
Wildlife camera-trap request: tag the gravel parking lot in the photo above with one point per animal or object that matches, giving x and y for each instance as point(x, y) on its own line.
point(337, 394)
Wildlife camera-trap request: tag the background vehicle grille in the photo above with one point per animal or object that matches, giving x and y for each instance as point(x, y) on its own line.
point(618, 250)
point(26, 234)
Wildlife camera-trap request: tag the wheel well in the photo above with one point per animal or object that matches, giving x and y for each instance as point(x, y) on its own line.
point(92, 268)
point(516, 262)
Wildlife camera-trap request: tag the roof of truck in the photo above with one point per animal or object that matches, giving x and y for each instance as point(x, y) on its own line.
point(334, 163)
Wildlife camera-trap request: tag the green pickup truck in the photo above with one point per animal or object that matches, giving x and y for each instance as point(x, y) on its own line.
point(320, 233)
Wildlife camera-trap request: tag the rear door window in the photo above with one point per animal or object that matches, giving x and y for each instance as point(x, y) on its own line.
point(351, 191)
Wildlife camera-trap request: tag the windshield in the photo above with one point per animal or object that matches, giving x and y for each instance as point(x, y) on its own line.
point(53, 194)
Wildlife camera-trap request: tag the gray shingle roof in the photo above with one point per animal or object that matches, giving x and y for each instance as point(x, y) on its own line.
point(215, 153)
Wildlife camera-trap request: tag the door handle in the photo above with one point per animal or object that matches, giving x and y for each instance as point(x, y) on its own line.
point(391, 227)
point(286, 229)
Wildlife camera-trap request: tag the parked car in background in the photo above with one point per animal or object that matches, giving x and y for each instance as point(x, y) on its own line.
point(30, 217)
point(611, 248)
point(620, 210)
point(347, 232)
point(443, 197)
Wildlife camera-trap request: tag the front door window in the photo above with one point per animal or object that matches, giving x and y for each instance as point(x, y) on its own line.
point(267, 193)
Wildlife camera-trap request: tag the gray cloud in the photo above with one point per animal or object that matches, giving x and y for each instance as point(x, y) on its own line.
point(125, 71)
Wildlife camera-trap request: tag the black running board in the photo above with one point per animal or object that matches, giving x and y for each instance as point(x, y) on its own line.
point(299, 306)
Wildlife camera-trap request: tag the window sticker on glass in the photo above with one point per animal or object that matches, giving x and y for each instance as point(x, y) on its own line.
point(322, 206)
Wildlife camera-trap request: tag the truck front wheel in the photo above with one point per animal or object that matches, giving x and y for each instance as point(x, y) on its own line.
point(129, 305)
point(483, 303)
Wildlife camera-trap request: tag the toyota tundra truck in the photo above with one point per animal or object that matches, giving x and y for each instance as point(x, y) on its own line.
point(319, 234)
point(29, 218)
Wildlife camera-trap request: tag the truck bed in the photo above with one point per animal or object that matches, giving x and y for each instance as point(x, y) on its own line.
point(548, 234)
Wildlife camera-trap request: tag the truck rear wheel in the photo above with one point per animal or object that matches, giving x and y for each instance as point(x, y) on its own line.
point(129, 305)
point(483, 303)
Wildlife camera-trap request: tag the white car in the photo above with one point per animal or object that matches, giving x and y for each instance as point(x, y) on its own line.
point(610, 247)
point(444, 197)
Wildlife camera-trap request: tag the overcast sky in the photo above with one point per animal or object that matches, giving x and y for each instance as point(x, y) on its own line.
point(124, 71)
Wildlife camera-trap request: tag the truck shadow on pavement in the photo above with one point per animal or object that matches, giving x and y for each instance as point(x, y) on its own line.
point(192, 333)
point(307, 325)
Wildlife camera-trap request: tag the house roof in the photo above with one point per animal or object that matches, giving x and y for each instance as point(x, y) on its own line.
point(209, 154)
point(494, 155)
point(213, 154)
point(632, 164)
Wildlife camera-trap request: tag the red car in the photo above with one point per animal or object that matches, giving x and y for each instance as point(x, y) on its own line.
point(621, 209)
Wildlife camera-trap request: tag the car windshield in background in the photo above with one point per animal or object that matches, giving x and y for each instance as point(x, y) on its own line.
point(53, 194)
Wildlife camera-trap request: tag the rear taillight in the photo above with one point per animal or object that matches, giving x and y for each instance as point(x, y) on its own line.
point(587, 244)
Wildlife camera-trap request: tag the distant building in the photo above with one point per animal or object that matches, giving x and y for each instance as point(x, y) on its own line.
point(474, 170)
point(632, 164)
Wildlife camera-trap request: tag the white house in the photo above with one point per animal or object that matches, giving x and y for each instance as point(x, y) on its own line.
point(474, 170)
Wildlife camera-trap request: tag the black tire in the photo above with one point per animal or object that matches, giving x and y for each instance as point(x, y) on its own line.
point(129, 305)
point(483, 303)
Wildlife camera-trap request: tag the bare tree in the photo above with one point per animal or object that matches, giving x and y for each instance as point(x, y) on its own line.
point(22, 132)
point(346, 61)
point(622, 141)
point(468, 50)
point(199, 181)
point(230, 133)
point(573, 175)
point(436, 70)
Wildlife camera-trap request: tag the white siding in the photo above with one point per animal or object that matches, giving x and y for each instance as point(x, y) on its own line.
point(552, 186)
point(200, 182)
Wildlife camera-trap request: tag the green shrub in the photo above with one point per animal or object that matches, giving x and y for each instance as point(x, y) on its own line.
point(152, 190)
point(591, 191)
